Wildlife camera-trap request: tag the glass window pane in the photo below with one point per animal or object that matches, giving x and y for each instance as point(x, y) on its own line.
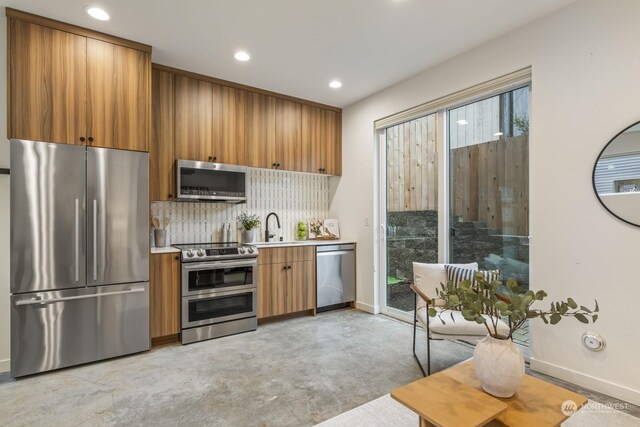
point(489, 186)
point(412, 205)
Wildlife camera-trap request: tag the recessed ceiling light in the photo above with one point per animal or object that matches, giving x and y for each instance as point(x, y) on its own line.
point(97, 13)
point(498, 134)
point(462, 122)
point(335, 84)
point(241, 55)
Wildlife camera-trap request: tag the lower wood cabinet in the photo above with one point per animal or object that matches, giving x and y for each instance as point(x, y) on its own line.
point(164, 294)
point(286, 280)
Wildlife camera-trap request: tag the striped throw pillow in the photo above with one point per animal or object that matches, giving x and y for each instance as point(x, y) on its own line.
point(458, 274)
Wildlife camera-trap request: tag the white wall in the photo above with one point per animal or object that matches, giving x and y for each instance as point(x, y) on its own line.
point(585, 90)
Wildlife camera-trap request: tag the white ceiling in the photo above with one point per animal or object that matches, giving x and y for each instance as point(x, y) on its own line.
point(298, 46)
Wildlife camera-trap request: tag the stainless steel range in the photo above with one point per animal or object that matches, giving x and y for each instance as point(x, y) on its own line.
point(219, 290)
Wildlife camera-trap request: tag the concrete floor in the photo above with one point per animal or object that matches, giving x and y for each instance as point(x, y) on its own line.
point(291, 373)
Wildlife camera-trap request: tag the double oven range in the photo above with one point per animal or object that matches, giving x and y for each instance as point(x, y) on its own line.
point(219, 290)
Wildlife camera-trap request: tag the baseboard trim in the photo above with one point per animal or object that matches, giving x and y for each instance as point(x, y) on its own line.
point(5, 365)
point(373, 309)
point(602, 386)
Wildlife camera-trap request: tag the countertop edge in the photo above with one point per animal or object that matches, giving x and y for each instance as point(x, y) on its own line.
point(262, 245)
point(167, 250)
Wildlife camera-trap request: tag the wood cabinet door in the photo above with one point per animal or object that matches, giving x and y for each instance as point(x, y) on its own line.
point(288, 133)
point(279, 280)
point(264, 289)
point(312, 154)
point(47, 84)
point(332, 143)
point(164, 294)
point(161, 149)
point(272, 282)
point(260, 135)
point(193, 119)
point(229, 115)
point(300, 290)
point(119, 96)
point(305, 155)
point(329, 141)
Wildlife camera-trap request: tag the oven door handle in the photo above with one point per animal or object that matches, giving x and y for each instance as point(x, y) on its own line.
point(216, 265)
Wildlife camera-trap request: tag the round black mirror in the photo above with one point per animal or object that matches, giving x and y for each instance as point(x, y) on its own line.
point(616, 175)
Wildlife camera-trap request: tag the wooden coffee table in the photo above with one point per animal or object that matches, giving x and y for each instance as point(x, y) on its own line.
point(454, 397)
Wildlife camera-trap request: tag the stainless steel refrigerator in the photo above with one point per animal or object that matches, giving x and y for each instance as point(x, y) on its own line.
point(79, 255)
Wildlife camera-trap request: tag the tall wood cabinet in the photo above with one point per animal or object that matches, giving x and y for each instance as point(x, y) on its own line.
point(164, 294)
point(73, 86)
point(286, 280)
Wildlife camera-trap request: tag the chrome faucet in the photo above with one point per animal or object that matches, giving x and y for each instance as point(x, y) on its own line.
point(267, 235)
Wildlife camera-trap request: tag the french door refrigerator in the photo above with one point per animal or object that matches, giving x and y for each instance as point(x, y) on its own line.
point(79, 255)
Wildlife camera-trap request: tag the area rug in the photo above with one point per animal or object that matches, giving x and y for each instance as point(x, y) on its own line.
point(386, 412)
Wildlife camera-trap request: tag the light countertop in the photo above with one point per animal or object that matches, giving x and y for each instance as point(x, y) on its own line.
point(165, 250)
point(302, 243)
point(171, 249)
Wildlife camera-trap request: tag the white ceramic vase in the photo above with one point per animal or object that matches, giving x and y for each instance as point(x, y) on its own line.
point(249, 236)
point(499, 366)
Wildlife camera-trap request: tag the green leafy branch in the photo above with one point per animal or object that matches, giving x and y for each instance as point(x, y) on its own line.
point(485, 302)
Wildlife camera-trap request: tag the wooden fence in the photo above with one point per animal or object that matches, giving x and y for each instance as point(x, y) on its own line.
point(490, 183)
point(412, 166)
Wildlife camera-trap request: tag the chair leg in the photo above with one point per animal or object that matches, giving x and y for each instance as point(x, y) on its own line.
point(415, 323)
point(428, 345)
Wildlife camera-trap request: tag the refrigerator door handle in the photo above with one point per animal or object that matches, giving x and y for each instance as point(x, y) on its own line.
point(38, 299)
point(77, 248)
point(95, 240)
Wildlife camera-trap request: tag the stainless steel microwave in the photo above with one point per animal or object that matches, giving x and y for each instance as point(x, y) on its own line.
point(210, 182)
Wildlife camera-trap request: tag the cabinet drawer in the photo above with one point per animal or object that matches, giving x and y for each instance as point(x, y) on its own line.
point(286, 254)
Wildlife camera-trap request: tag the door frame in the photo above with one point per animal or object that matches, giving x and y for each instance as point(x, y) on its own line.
point(440, 107)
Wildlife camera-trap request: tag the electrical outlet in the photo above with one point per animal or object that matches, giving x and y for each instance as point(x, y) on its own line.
point(593, 341)
point(366, 221)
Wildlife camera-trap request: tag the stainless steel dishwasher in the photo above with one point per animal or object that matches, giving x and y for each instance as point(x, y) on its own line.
point(335, 276)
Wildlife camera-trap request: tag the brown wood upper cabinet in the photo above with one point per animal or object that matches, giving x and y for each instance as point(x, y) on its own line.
point(214, 121)
point(194, 119)
point(161, 148)
point(118, 96)
point(209, 121)
point(261, 130)
point(321, 147)
point(71, 88)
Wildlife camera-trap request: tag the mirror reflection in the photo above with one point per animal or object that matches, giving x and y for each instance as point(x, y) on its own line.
point(616, 175)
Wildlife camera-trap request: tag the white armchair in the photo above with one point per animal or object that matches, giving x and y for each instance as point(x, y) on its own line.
point(427, 278)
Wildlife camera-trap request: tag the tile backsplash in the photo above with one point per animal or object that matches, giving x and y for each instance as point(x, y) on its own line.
point(293, 196)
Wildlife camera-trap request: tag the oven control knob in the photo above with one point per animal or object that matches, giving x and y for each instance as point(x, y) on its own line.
point(190, 253)
point(241, 251)
point(250, 250)
point(201, 252)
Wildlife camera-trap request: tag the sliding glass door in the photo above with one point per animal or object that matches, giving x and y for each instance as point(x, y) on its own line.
point(410, 208)
point(454, 188)
point(489, 186)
